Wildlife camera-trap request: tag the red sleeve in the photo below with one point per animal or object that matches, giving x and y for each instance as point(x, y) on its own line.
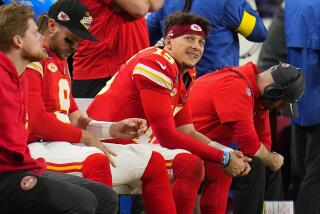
point(245, 136)
point(158, 111)
point(184, 116)
point(73, 104)
point(44, 125)
point(262, 125)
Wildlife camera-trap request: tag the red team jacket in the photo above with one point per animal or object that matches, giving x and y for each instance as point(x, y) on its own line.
point(50, 101)
point(119, 35)
point(155, 70)
point(14, 152)
point(222, 97)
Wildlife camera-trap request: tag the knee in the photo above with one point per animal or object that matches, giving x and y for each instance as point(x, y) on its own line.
point(188, 166)
point(86, 202)
point(95, 163)
point(257, 167)
point(97, 160)
point(110, 201)
point(107, 199)
point(156, 167)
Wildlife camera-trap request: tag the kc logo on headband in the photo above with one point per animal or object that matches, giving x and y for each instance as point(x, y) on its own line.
point(195, 27)
point(180, 30)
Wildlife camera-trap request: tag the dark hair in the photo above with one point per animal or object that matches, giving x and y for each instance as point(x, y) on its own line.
point(13, 21)
point(180, 18)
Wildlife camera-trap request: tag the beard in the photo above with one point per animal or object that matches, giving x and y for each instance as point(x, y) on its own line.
point(56, 47)
point(33, 57)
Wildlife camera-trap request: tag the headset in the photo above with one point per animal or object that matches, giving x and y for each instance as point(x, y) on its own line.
point(276, 91)
point(273, 91)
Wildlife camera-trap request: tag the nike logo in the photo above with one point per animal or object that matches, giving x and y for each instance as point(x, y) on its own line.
point(161, 65)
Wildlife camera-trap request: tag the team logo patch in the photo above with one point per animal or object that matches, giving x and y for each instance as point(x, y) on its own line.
point(52, 67)
point(195, 27)
point(62, 16)
point(28, 182)
point(248, 92)
point(173, 92)
point(86, 20)
point(285, 65)
point(170, 34)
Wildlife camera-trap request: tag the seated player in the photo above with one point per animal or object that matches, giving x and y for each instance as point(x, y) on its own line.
point(60, 128)
point(25, 186)
point(154, 84)
point(231, 105)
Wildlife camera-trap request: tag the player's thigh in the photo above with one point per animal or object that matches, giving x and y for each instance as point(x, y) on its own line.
point(28, 193)
point(168, 154)
point(61, 152)
point(131, 161)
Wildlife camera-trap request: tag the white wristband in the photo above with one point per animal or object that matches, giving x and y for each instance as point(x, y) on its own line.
point(100, 129)
point(220, 146)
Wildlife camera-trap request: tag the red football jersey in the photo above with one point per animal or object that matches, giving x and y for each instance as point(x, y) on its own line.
point(50, 100)
point(119, 35)
point(14, 152)
point(152, 68)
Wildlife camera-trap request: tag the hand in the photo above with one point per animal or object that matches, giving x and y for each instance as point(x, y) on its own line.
point(247, 169)
point(237, 164)
point(276, 161)
point(128, 128)
point(91, 141)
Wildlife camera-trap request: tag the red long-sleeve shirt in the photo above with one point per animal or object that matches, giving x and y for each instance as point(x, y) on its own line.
point(50, 101)
point(225, 108)
point(14, 152)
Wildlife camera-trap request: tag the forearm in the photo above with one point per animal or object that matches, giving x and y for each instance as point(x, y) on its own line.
point(137, 8)
point(265, 155)
point(194, 133)
point(100, 129)
point(49, 128)
point(189, 130)
point(245, 136)
point(155, 5)
point(79, 120)
point(169, 137)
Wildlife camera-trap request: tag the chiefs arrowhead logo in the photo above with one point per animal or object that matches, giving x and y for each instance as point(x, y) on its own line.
point(62, 16)
point(52, 67)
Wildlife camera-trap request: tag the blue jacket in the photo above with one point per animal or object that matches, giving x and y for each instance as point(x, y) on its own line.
point(228, 18)
point(38, 6)
point(302, 21)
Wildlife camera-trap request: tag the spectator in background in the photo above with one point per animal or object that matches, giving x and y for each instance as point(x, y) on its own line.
point(228, 20)
point(24, 185)
point(231, 106)
point(121, 31)
point(302, 21)
point(39, 7)
point(274, 49)
point(267, 8)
